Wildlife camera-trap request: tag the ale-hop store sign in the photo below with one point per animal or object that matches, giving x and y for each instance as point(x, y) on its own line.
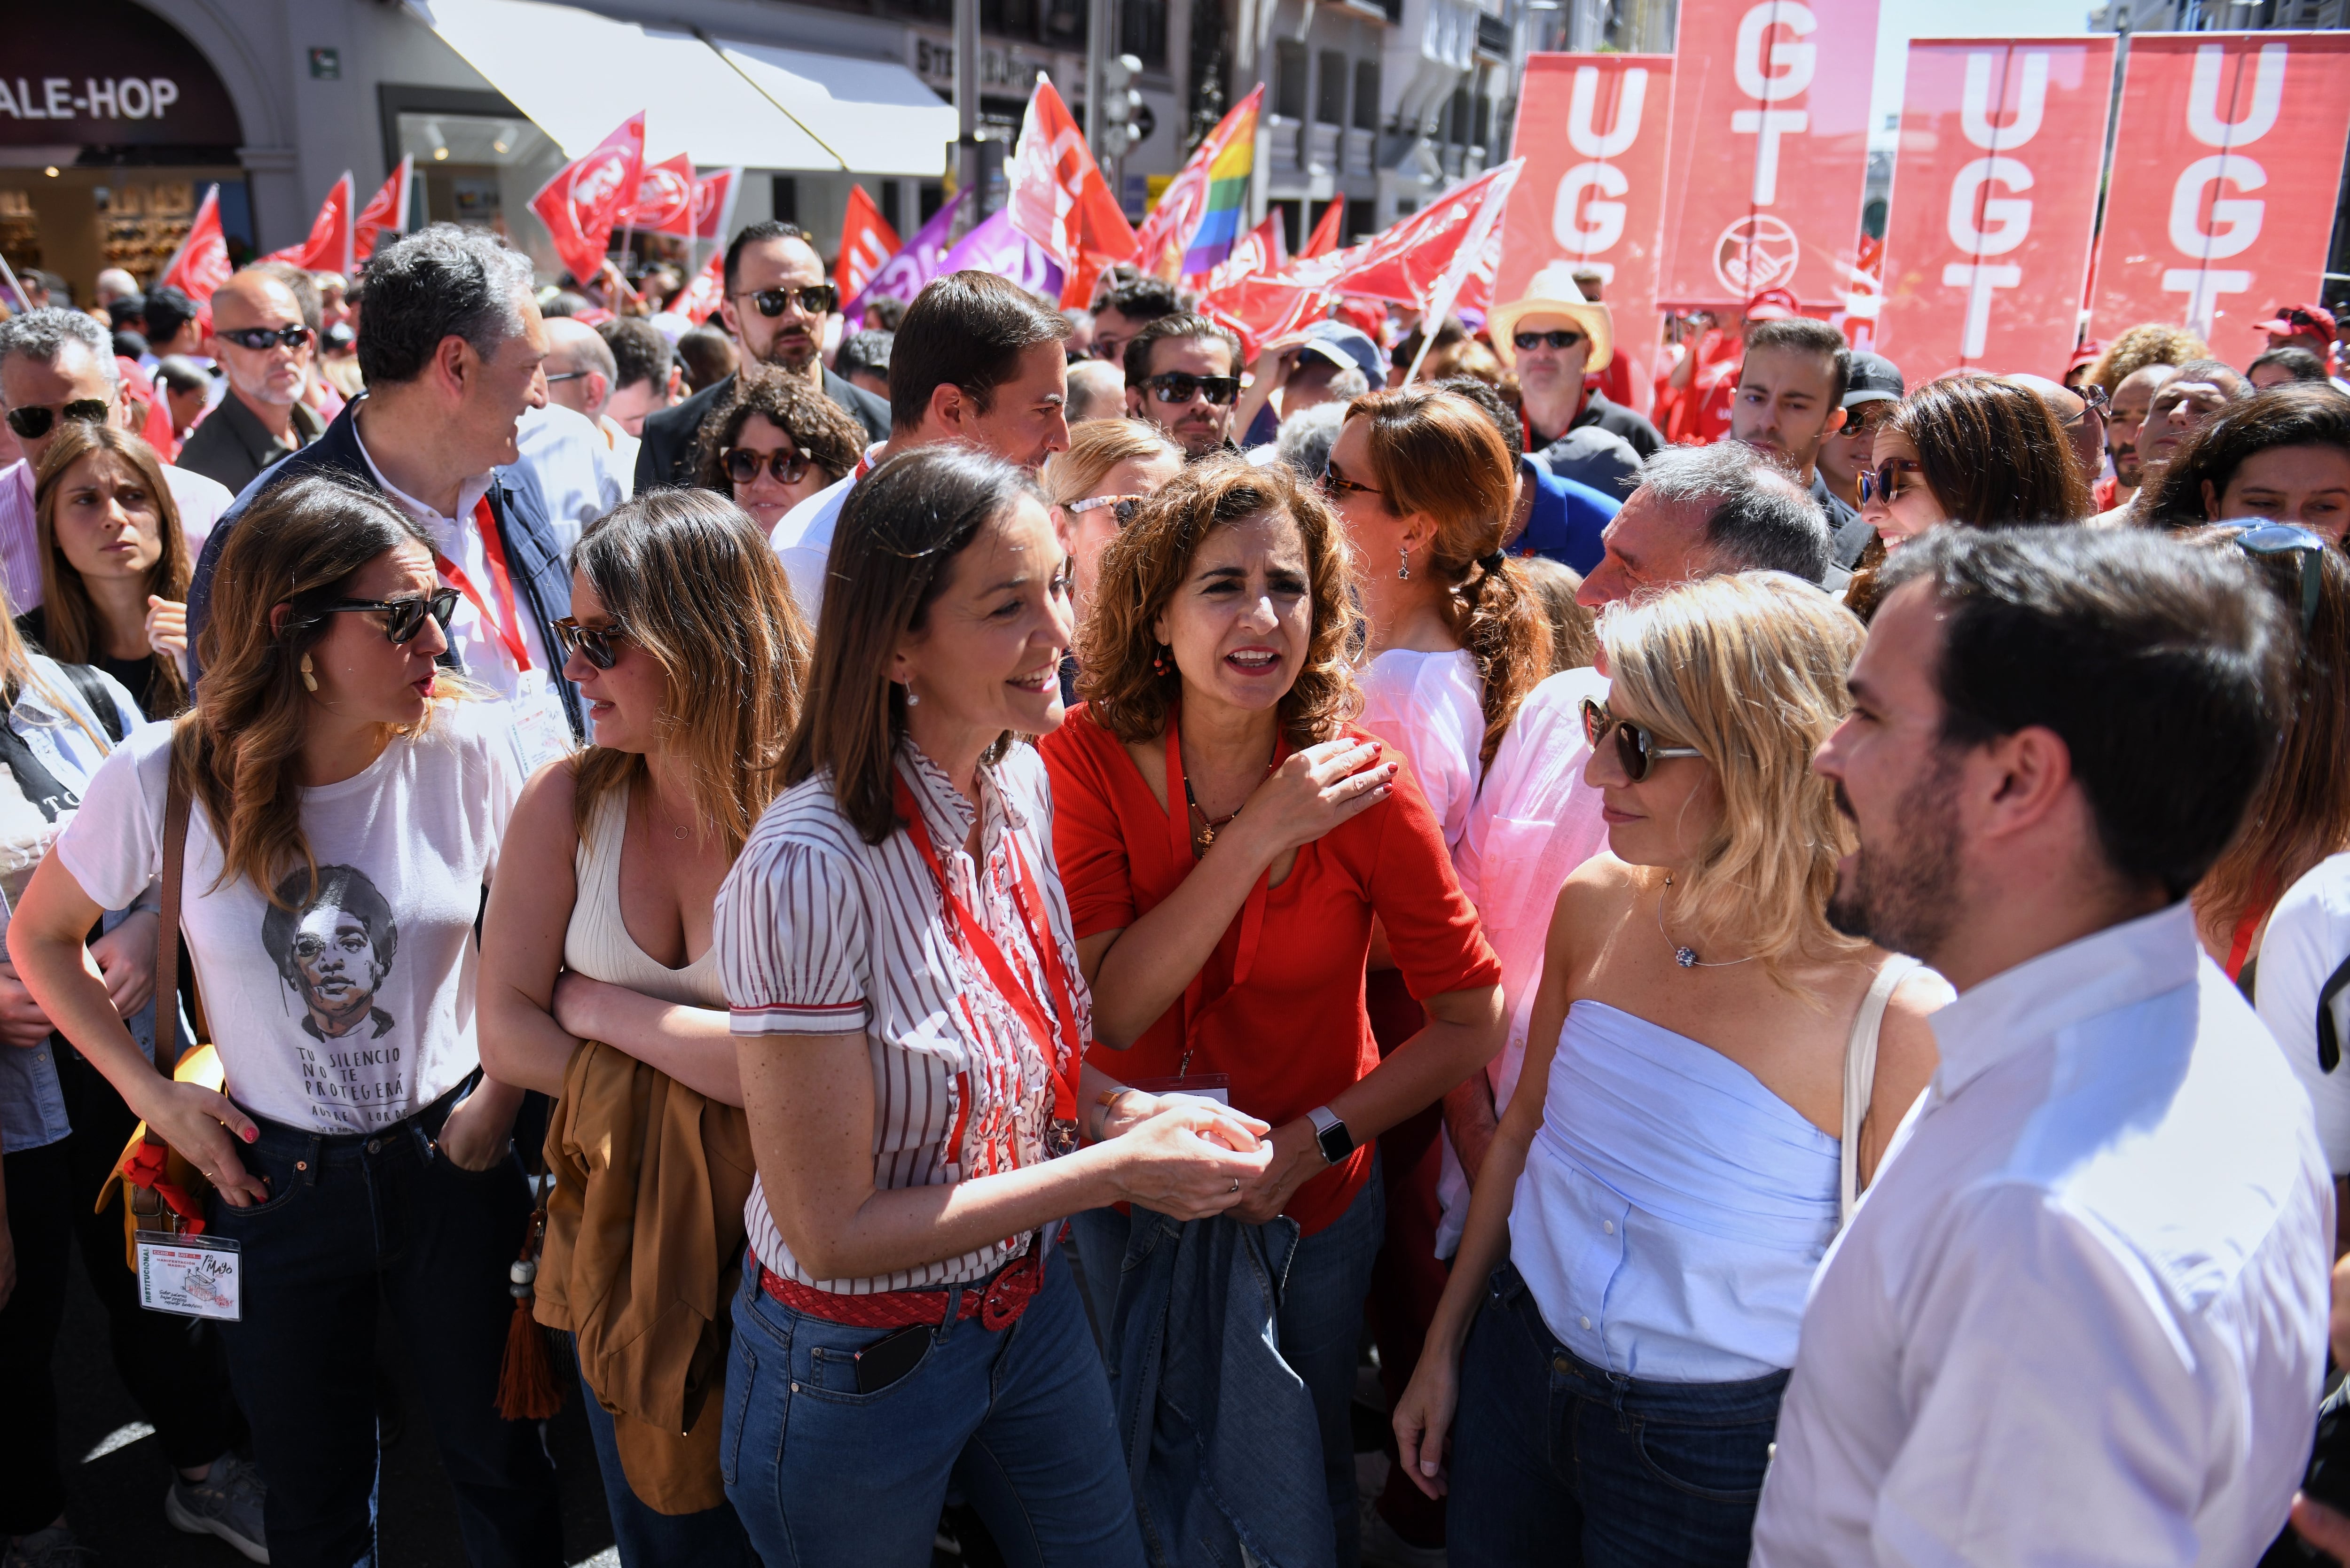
point(109, 73)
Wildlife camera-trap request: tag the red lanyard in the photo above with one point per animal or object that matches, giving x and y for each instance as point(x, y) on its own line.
point(982, 946)
point(509, 630)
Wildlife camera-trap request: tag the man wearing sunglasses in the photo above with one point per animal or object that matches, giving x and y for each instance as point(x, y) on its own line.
point(1555, 340)
point(258, 337)
point(776, 305)
point(1182, 374)
point(57, 365)
point(1870, 392)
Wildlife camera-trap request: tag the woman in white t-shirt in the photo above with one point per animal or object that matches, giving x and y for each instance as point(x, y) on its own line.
point(1424, 483)
point(345, 808)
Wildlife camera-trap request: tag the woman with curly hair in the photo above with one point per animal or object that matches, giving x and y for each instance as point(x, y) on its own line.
point(773, 442)
point(1228, 839)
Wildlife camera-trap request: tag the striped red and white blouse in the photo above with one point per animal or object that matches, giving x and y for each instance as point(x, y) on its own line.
point(818, 932)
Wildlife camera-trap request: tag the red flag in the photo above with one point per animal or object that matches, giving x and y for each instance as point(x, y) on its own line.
point(1325, 236)
point(664, 204)
point(1167, 230)
point(386, 211)
point(1403, 264)
point(1060, 200)
point(582, 205)
point(699, 299)
point(867, 241)
point(200, 264)
point(714, 203)
point(328, 248)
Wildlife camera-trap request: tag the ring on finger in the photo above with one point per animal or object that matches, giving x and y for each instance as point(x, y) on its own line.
point(1236, 1184)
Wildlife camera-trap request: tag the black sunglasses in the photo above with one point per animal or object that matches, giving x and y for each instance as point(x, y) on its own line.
point(2269, 539)
point(403, 618)
point(1181, 386)
point(1865, 420)
point(1879, 482)
point(1636, 750)
point(814, 299)
point(592, 643)
point(33, 423)
point(1562, 339)
point(1122, 507)
point(260, 337)
point(743, 464)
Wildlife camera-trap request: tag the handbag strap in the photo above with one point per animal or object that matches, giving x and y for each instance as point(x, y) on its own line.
point(167, 930)
point(1860, 1077)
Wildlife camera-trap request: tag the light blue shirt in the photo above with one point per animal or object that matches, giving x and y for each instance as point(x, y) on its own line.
point(1672, 1209)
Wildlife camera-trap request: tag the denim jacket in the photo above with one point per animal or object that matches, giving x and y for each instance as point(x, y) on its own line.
point(31, 1106)
point(1193, 1336)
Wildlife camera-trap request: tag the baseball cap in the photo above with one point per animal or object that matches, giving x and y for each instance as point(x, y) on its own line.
point(1874, 380)
point(1343, 345)
point(1773, 304)
point(2088, 353)
point(2286, 320)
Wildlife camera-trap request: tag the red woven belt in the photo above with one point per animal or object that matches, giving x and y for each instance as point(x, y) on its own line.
point(996, 1301)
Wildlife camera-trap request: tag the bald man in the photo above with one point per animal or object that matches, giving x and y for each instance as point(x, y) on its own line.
point(258, 337)
point(581, 375)
point(2084, 426)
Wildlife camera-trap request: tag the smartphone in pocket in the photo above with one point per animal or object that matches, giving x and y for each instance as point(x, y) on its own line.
point(890, 1357)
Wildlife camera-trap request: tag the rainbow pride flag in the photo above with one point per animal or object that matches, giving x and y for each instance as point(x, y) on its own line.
point(1224, 213)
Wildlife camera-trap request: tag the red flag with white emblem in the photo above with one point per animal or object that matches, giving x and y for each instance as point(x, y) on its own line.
point(328, 248)
point(714, 203)
point(583, 203)
point(664, 204)
point(699, 299)
point(867, 241)
point(200, 264)
point(1060, 200)
point(385, 214)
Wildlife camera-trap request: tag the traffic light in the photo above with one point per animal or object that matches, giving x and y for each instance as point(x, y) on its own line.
point(1126, 120)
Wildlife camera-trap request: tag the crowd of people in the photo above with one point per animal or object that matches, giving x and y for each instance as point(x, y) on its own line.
point(993, 927)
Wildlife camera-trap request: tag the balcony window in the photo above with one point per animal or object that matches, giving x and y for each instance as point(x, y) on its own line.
point(1330, 94)
point(1290, 69)
point(1367, 95)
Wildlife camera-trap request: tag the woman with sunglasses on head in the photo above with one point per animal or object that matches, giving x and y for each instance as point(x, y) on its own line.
point(1229, 841)
point(1683, 1142)
point(1096, 487)
point(341, 807)
point(773, 442)
point(600, 987)
point(114, 565)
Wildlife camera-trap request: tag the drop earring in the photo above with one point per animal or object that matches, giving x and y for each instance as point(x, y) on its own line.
point(1158, 660)
point(308, 679)
point(1403, 570)
point(912, 700)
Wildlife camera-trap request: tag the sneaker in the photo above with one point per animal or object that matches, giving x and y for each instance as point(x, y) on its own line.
point(52, 1548)
point(226, 1503)
point(1383, 1548)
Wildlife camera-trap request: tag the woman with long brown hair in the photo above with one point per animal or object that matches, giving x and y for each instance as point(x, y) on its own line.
point(1973, 451)
point(340, 812)
point(114, 564)
point(600, 987)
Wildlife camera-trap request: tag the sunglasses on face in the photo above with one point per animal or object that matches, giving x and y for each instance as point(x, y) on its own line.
point(1883, 483)
point(592, 643)
point(2093, 399)
point(743, 464)
point(1562, 339)
point(260, 337)
point(815, 299)
point(2285, 539)
point(33, 423)
point(1338, 486)
point(1181, 387)
point(1637, 748)
point(1863, 420)
point(1123, 507)
point(403, 618)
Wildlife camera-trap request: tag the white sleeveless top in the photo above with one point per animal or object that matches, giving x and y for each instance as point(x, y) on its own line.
point(597, 943)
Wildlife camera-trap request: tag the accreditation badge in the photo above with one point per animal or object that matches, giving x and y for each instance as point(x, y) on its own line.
point(195, 1276)
point(537, 724)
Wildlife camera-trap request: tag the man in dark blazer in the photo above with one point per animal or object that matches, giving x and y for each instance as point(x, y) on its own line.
point(775, 305)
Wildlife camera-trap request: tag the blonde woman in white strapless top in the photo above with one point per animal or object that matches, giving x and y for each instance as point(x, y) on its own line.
point(600, 987)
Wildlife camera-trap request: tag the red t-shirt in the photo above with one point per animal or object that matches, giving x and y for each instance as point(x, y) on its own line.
point(1279, 1005)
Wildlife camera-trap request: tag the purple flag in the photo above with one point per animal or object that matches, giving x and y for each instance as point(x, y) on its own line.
point(922, 258)
point(996, 247)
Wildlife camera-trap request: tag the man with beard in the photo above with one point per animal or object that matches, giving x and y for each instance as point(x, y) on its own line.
point(775, 305)
point(2124, 418)
point(1790, 400)
point(2081, 1317)
point(1182, 374)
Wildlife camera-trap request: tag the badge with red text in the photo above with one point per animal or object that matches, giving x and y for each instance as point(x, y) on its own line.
point(195, 1276)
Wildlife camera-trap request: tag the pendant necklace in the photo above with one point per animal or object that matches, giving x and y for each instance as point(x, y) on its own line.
point(1684, 956)
point(1204, 827)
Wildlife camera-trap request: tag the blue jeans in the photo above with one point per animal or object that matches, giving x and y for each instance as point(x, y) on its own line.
point(1017, 1420)
point(1320, 1322)
point(1555, 1460)
point(647, 1538)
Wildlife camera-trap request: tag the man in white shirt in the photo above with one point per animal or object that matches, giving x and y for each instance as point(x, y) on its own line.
point(583, 376)
point(978, 359)
point(2080, 1317)
point(57, 364)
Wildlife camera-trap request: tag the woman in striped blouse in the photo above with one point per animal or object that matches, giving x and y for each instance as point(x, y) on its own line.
point(910, 1024)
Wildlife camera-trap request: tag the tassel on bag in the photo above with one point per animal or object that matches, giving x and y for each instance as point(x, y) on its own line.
point(527, 1387)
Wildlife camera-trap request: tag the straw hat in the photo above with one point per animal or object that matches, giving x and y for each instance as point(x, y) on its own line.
point(1553, 291)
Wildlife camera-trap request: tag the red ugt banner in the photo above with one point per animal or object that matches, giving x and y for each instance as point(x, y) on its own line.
point(1994, 196)
point(1770, 145)
point(2226, 164)
point(1595, 130)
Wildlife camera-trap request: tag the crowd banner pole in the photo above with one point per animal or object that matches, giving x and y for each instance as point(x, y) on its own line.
point(1988, 237)
point(2227, 161)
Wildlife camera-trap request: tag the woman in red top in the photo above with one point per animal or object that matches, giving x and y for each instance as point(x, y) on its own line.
point(1227, 839)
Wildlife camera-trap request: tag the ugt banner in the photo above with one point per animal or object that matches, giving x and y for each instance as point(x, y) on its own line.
point(1771, 144)
point(1995, 191)
point(2226, 162)
point(1595, 130)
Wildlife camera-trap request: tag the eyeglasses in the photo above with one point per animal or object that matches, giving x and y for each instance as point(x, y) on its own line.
point(258, 338)
point(2093, 397)
point(1338, 486)
point(1181, 386)
point(33, 423)
point(403, 618)
point(566, 376)
point(1880, 483)
point(1562, 339)
point(2286, 539)
point(592, 643)
point(1865, 420)
point(814, 299)
point(1112, 350)
point(1636, 750)
point(743, 464)
point(1123, 507)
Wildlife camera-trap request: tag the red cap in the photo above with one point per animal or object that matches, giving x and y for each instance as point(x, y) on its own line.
point(2088, 353)
point(2293, 320)
point(1773, 304)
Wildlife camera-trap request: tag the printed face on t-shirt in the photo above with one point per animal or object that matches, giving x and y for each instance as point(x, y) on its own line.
point(335, 952)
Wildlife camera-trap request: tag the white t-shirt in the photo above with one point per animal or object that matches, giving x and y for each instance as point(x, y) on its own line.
point(1431, 707)
point(356, 1011)
point(2307, 938)
point(803, 540)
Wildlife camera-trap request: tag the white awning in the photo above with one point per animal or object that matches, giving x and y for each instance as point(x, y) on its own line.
point(876, 114)
point(578, 75)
